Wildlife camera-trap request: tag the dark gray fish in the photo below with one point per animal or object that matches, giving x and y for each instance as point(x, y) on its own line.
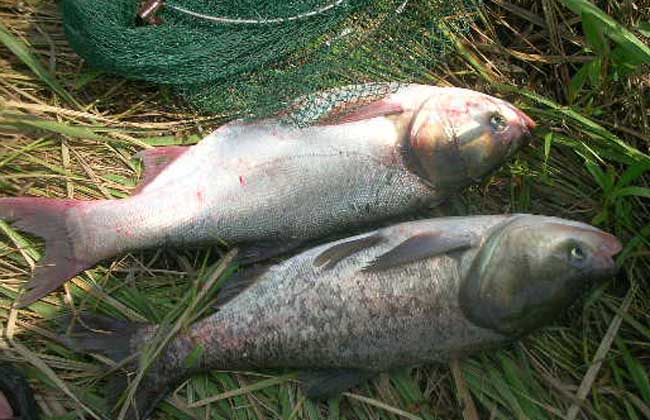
point(275, 187)
point(408, 294)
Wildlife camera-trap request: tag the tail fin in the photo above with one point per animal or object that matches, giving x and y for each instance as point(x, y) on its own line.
point(114, 338)
point(91, 333)
point(46, 218)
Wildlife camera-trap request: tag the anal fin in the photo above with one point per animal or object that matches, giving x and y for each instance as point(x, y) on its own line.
point(328, 383)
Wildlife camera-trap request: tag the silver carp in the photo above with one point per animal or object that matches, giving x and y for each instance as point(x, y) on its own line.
point(409, 294)
point(272, 186)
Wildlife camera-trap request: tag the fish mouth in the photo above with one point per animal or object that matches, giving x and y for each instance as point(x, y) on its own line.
point(525, 132)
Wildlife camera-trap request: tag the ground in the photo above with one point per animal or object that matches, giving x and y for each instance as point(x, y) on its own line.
point(582, 72)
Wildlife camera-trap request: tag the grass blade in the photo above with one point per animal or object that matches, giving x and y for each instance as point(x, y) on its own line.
point(22, 51)
point(617, 32)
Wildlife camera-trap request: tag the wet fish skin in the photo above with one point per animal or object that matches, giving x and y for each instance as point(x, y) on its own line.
point(261, 182)
point(360, 305)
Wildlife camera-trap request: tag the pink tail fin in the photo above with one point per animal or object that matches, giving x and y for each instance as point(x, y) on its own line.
point(47, 219)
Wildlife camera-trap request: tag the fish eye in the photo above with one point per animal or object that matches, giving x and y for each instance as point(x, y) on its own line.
point(498, 122)
point(576, 254)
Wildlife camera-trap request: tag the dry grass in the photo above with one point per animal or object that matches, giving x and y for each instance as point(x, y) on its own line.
point(589, 162)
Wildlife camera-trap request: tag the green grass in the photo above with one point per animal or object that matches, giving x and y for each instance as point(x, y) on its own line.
point(581, 71)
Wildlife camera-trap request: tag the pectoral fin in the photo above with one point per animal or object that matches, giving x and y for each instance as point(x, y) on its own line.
point(262, 251)
point(419, 247)
point(328, 383)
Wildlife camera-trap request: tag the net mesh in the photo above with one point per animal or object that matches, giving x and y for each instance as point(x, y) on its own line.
point(255, 57)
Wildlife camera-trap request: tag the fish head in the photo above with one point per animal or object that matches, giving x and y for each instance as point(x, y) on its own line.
point(531, 269)
point(458, 136)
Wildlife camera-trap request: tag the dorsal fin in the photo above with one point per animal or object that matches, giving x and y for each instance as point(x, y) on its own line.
point(155, 161)
point(345, 113)
point(333, 255)
point(419, 247)
point(375, 109)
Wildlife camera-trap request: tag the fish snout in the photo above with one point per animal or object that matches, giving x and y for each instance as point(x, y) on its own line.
point(526, 122)
point(523, 127)
point(609, 246)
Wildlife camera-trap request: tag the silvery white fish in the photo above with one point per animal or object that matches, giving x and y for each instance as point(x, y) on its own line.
point(267, 184)
point(404, 295)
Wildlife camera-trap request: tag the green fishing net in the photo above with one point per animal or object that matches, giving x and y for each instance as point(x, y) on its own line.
point(255, 57)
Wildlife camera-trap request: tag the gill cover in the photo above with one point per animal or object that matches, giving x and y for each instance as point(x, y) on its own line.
point(432, 151)
point(461, 136)
point(531, 268)
point(507, 290)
